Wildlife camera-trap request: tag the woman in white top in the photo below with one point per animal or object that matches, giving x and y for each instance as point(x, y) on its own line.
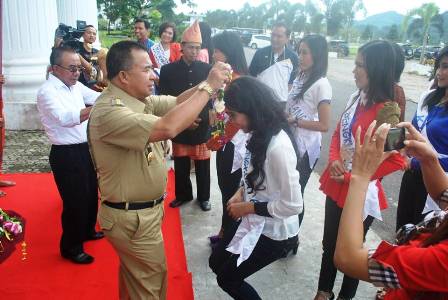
point(269, 199)
point(308, 105)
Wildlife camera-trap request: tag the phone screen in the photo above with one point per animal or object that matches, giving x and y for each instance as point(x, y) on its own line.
point(395, 139)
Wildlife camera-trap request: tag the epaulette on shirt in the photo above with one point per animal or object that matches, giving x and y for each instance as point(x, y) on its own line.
point(116, 102)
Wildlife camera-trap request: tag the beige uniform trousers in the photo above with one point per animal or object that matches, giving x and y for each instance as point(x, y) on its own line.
point(136, 235)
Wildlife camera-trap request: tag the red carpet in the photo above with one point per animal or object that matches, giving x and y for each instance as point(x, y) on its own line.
point(45, 275)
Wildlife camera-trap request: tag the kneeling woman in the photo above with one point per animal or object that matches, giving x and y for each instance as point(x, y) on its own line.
point(269, 200)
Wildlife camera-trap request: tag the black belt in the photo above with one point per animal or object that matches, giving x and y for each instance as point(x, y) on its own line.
point(134, 205)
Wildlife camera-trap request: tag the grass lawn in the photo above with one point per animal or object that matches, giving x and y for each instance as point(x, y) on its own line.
point(108, 40)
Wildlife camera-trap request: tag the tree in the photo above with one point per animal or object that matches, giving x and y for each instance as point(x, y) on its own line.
point(393, 34)
point(367, 34)
point(349, 9)
point(315, 17)
point(333, 16)
point(426, 13)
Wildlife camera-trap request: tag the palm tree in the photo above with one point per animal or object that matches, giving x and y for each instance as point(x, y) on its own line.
point(426, 13)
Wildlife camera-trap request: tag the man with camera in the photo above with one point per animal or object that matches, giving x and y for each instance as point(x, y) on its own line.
point(67, 36)
point(62, 104)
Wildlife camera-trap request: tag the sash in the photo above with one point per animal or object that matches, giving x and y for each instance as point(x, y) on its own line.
point(159, 55)
point(295, 108)
point(372, 204)
point(251, 226)
point(421, 116)
point(277, 77)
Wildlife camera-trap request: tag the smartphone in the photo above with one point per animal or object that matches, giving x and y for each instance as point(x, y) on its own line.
point(395, 139)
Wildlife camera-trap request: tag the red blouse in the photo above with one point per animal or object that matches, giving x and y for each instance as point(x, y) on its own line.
point(338, 191)
point(422, 272)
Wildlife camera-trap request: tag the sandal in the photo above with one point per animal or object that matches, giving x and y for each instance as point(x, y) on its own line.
point(321, 295)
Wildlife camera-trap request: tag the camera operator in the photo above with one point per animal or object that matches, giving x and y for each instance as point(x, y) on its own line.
point(87, 54)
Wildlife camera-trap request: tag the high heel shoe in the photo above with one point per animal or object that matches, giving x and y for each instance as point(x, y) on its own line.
point(292, 250)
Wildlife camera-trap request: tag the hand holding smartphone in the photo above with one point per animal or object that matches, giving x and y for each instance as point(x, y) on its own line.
point(395, 139)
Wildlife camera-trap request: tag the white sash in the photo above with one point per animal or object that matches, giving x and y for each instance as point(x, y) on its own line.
point(372, 204)
point(251, 226)
point(277, 77)
point(422, 118)
point(159, 55)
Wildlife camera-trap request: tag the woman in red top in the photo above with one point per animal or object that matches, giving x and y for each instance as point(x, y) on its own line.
point(374, 77)
point(418, 267)
point(166, 51)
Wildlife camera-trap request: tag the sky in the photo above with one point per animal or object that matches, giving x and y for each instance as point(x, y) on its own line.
point(372, 6)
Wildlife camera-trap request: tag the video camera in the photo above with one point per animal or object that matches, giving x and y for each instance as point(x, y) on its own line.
point(70, 36)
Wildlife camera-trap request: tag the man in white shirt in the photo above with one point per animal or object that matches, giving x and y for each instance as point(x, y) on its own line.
point(61, 102)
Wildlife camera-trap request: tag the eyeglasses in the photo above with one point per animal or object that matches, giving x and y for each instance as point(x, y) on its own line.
point(73, 69)
point(195, 48)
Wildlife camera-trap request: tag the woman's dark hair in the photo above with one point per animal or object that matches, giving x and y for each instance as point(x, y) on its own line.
point(319, 52)
point(206, 35)
point(434, 97)
point(166, 25)
point(249, 96)
point(399, 62)
point(379, 63)
point(230, 44)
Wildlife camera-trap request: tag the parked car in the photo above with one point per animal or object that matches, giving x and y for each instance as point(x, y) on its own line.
point(260, 41)
point(339, 46)
point(407, 50)
point(430, 53)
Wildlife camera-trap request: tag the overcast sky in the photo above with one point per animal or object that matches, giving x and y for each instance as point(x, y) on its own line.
point(373, 6)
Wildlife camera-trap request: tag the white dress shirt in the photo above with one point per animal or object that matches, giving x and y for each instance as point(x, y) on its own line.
point(59, 108)
point(281, 192)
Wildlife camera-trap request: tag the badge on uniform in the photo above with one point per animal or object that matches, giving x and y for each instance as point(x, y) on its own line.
point(149, 154)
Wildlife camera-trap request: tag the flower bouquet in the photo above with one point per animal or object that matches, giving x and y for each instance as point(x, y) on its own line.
point(11, 232)
point(222, 129)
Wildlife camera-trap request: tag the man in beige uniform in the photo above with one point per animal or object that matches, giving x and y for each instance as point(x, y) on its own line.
point(125, 131)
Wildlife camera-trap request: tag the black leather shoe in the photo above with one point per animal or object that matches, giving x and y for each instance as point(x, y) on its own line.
point(205, 205)
point(95, 236)
point(80, 258)
point(176, 203)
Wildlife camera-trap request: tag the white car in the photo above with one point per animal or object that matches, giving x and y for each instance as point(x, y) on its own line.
point(260, 41)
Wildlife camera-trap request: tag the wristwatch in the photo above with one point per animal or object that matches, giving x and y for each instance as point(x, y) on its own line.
point(205, 86)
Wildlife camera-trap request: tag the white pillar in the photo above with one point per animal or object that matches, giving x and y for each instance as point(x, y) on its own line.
point(28, 33)
point(69, 11)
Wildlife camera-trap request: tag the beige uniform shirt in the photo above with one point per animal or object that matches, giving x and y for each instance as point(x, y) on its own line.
point(129, 168)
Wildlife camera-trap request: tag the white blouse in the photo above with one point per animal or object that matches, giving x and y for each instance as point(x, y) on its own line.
point(307, 109)
point(282, 192)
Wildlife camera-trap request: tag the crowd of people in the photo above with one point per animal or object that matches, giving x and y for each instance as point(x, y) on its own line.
point(108, 118)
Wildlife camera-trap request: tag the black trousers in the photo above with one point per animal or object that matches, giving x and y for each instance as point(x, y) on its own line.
point(76, 180)
point(228, 182)
point(230, 277)
point(412, 198)
point(327, 268)
point(305, 173)
point(183, 188)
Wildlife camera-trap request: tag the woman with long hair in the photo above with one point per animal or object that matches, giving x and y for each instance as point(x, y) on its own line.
point(308, 104)
point(206, 52)
point(374, 78)
point(269, 200)
point(167, 50)
point(431, 119)
point(231, 147)
point(416, 267)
